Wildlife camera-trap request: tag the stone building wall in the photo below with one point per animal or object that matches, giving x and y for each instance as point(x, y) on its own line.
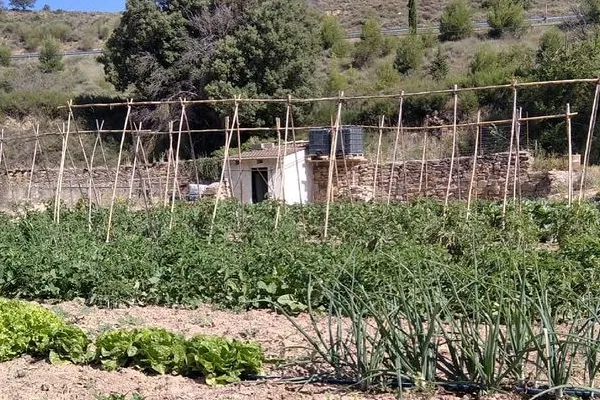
point(357, 181)
point(15, 184)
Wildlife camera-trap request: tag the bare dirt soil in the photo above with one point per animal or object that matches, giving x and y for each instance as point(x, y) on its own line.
point(29, 379)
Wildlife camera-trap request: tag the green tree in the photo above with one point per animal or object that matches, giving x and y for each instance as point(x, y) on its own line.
point(506, 16)
point(371, 42)
point(456, 22)
point(273, 54)
point(439, 67)
point(22, 4)
point(412, 16)
point(50, 56)
point(213, 48)
point(5, 54)
point(551, 44)
point(409, 55)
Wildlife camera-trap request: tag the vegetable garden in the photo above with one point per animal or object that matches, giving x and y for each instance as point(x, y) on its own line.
point(416, 294)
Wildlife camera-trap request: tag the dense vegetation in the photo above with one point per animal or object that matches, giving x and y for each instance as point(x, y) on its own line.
point(27, 328)
point(246, 261)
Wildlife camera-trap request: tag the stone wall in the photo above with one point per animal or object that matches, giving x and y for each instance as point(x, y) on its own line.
point(151, 179)
point(355, 179)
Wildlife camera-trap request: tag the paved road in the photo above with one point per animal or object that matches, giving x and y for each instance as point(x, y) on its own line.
point(479, 25)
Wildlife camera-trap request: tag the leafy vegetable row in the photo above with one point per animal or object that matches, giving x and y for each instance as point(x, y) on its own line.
point(27, 328)
point(247, 261)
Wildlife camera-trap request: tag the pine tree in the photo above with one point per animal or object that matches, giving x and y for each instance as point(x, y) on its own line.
point(412, 16)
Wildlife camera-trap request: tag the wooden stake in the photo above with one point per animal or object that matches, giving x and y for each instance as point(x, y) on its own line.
point(169, 162)
point(225, 161)
point(85, 158)
point(61, 170)
point(474, 170)
point(453, 148)
point(423, 164)
point(116, 183)
point(279, 166)
point(135, 158)
point(381, 124)
point(588, 142)
point(297, 162)
point(570, 145)
point(510, 149)
point(396, 140)
point(332, 156)
point(35, 150)
point(3, 158)
point(517, 174)
point(175, 182)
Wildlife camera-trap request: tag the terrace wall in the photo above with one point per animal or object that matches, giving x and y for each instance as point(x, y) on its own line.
point(355, 179)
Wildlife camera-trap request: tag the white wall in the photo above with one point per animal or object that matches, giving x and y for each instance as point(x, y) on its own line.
point(241, 179)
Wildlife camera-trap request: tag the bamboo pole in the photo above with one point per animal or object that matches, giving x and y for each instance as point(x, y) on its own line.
point(396, 140)
point(588, 142)
point(85, 158)
point(35, 150)
point(169, 162)
point(114, 191)
point(61, 170)
point(3, 159)
point(381, 124)
point(192, 150)
point(297, 161)
point(93, 155)
point(306, 128)
point(474, 170)
point(278, 166)
point(570, 146)
point(332, 156)
point(225, 161)
point(510, 150)
point(239, 100)
point(175, 182)
point(423, 164)
point(453, 149)
point(135, 158)
point(517, 174)
point(240, 180)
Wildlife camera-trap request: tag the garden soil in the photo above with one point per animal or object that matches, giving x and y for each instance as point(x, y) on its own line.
point(29, 379)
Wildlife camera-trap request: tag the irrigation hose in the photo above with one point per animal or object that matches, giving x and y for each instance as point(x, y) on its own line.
point(455, 387)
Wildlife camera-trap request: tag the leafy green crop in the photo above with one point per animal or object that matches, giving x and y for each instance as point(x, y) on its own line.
point(29, 329)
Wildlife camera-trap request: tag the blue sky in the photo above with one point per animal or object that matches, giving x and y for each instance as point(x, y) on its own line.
point(83, 5)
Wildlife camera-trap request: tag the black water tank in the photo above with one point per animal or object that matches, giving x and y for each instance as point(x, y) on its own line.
point(350, 139)
point(319, 142)
point(349, 143)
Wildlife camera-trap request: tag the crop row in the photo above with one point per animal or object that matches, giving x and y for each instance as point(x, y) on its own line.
point(27, 328)
point(247, 260)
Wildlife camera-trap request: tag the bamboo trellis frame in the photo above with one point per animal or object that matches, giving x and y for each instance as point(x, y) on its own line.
point(174, 156)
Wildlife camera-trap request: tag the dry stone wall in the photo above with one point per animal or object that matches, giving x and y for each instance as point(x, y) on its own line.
point(412, 179)
point(151, 179)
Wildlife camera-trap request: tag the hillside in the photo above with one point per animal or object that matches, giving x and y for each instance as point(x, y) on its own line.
point(393, 13)
point(24, 31)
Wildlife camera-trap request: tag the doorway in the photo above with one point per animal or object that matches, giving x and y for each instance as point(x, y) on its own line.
point(260, 184)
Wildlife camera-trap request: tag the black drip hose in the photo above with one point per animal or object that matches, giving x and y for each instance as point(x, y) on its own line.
point(456, 387)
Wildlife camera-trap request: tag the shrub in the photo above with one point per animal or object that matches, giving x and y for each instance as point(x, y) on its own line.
point(86, 43)
point(5, 54)
point(456, 22)
point(331, 31)
point(387, 76)
point(371, 42)
point(439, 67)
point(506, 16)
point(50, 56)
point(409, 55)
point(590, 11)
